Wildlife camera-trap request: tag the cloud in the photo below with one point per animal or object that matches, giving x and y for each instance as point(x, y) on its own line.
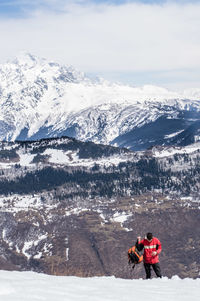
point(104, 37)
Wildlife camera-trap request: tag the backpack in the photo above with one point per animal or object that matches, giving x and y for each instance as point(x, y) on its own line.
point(134, 256)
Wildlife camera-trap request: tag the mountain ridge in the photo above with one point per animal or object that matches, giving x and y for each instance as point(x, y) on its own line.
point(44, 99)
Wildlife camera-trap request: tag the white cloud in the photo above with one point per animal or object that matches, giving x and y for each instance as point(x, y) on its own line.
point(131, 37)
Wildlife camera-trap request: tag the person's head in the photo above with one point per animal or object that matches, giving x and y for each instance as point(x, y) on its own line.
point(149, 236)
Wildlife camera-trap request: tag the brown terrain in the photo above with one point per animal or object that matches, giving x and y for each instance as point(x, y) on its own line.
point(92, 243)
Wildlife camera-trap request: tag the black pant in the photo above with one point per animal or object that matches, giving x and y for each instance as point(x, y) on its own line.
point(156, 268)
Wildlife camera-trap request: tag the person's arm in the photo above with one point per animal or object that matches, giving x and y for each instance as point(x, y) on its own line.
point(139, 244)
point(158, 247)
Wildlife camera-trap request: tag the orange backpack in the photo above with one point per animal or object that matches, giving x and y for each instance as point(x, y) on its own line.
point(134, 256)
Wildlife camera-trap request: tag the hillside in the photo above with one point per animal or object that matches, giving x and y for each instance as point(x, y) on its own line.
point(74, 208)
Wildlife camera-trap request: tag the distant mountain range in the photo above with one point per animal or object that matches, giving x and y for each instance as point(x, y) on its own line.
point(41, 99)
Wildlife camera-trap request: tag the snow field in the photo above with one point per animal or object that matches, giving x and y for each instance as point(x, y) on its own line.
point(29, 286)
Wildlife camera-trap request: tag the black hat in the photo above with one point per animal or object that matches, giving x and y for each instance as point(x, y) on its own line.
point(149, 235)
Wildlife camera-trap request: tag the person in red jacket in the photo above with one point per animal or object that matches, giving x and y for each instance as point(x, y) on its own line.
point(152, 247)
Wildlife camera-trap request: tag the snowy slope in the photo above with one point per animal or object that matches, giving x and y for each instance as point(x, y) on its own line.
point(61, 152)
point(44, 99)
point(31, 286)
point(161, 152)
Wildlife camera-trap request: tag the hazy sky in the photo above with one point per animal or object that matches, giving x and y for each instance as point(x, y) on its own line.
point(138, 42)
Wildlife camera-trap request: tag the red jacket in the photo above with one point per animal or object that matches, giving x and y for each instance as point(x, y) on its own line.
point(149, 247)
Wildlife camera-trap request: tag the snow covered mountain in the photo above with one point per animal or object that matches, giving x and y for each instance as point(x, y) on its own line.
point(40, 99)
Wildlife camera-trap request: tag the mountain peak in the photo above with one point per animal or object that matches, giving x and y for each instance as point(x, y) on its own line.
point(41, 98)
point(27, 59)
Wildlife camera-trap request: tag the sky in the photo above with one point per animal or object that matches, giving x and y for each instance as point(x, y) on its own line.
point(137, 42)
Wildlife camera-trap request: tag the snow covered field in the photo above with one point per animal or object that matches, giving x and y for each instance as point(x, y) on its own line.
point(29, 286)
